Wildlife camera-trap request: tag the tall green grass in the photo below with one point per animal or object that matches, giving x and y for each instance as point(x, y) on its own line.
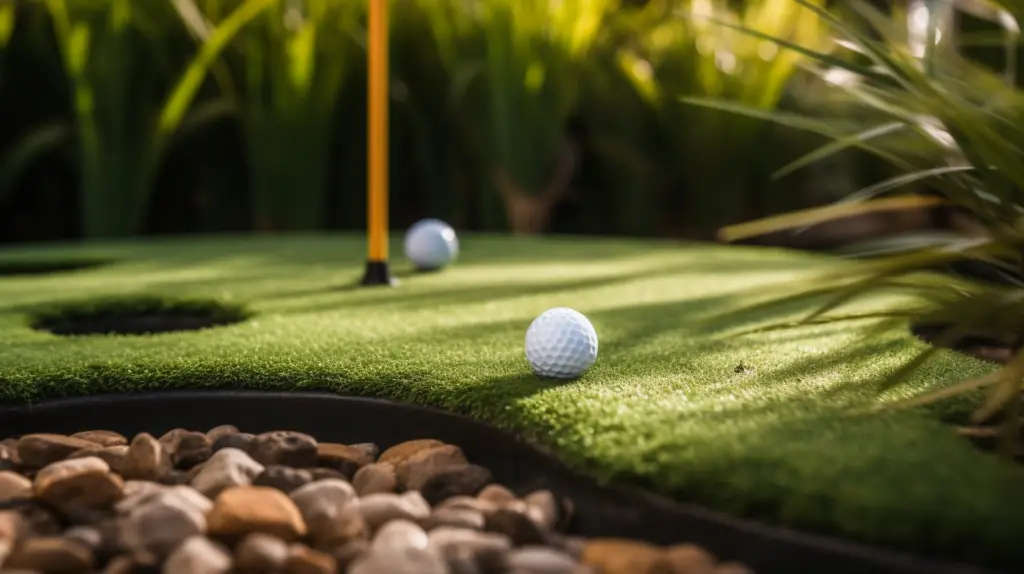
point(118, 56)
point(517, 68)
point(719, 161)
point(288, 69)
point(956, 126)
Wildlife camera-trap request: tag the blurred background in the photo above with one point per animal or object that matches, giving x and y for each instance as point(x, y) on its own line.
point(132, 117)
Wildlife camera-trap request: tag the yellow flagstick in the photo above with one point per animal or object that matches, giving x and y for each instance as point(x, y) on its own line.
point(377, 270)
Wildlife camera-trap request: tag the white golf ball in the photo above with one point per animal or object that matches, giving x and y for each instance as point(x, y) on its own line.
point(431, 244)
point(561, 343)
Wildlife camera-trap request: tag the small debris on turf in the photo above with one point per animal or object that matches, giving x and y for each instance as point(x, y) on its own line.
point(223, 501)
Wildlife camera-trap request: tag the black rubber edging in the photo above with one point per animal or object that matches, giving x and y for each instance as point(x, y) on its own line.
point(599, 510)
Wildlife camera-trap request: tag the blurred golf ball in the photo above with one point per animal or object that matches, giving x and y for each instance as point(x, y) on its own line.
point(561, 343)
point(431, 244)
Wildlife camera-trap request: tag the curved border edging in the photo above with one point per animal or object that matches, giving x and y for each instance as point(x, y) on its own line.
point(599, 510)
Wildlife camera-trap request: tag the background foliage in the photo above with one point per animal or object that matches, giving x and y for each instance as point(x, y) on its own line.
point(509, 114)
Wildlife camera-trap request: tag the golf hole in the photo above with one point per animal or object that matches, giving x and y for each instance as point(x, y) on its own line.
point(47, 267)
point(137, 316)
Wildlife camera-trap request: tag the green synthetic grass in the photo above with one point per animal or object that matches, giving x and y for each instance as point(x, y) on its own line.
point(680, 399)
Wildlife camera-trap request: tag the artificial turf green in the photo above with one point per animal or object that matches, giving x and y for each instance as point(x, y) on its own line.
point(680, 398)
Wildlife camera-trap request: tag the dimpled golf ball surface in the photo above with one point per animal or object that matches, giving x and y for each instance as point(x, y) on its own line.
point(431, 244)
point(561, 343)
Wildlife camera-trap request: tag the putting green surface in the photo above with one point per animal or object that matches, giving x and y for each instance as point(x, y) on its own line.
point(758, 425)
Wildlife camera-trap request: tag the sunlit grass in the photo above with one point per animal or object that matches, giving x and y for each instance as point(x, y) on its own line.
point(685, 395)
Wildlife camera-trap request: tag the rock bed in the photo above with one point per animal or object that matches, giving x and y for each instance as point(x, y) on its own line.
point(223, 501)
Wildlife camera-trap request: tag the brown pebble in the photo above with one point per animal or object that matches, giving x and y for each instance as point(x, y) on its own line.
point(304, 560)
point(415, 471)
point(375, 477)
point(378, 509)
point(287, 448)
point(348, 553)
point(219, 431)
point(147, 459)
point(466, 518)
point(12, 525)
point(371, 449)
point(690, 558)
point(456, 480)
point(260, 553)
point(80, 483)
point(39, 450)
point(330, 510)
point(471, 503)
point(242, 510)
point(326, 474)
point(189, 448)
point(122, 564)
point(14, 486)
point(283, 478)
point(543, 507)
point(497, 494)
point(172, 435)
point(401, 451)
point(342, 458)
point(516, 525)
point(239, 440)
point(50, 554)
point(622, 556)
point(112, 455)
point(198, 555)
point(102, 437)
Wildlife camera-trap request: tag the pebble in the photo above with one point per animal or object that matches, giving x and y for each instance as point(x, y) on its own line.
point(541, 560)
point(401, 451)
point(79, 483)
point(260, 553)
point(189, 448)
point(331, 512)
point(112, 455)
point(483, 547)
point(371, 449)
point(14, 486)
point(620, 556)
point(284, 478)
point(543, 508)
point(416, 470)
point(219, 431)
point(152, 530)
point(467, 518)
point(227, 468)
point(50, 554)
point(409, 561)
point(241, 441)
point(304, 560)
point(349, 552)
point(398, 535)
point(198, 555)
point(496, 494)
point(39, 450)
point(375, 477)
point(519, 527)
point(690, 559)
point(343, 458)
point(146, 459)
point(380, 508)
point(225, 501)
point(104, 438)
point(242, 510)
point(284, 447)
point(466, 479)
